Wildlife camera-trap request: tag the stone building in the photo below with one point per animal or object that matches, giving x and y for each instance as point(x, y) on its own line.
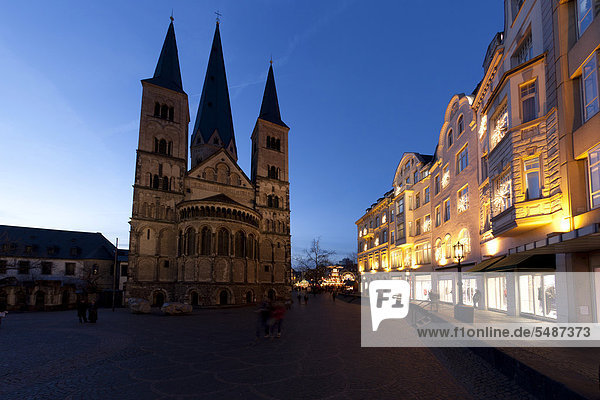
point(209, 234)
point(514, 182)
point(45, 269)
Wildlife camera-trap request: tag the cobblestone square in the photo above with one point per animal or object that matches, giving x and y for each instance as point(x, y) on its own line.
point(213, 354)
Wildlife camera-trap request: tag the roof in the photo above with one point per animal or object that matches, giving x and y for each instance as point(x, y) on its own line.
point(269, 110)
point(221, 198)
point(167, 73)
point(424, 158)
point(18, 241)
point(214, 110)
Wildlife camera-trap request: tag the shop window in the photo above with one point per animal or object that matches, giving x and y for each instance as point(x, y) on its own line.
point(532, 178)
point(496, 293)
point(445, 290)
point(590, 87)
point(537, 295)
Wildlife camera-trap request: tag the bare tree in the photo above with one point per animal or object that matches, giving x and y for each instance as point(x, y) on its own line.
point(314, 260)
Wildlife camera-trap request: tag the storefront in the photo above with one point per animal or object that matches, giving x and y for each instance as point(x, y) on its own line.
point(537, 294)
point(445, 288)
point(468, 290)
point(422, 287)
point(496, 292)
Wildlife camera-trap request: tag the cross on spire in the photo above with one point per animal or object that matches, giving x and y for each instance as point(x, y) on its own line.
point(219, 15)
point(171, 17)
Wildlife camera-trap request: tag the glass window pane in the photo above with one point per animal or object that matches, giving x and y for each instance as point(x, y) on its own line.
point(533, 185)
point(595, 178)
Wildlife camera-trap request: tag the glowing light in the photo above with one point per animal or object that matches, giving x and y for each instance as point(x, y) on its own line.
point(439, 254)
point(377, 242)
point(502, 198)
point(383, 219)
point(427, 225)
point(482, 126)
point(492, 247)
point(463, 203)
point(445, 179)
point(565, 224)
point(500, 129)
point(365, 247)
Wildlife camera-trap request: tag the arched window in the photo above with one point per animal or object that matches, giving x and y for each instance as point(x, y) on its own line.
point(170, 150)
point(250, 247)
point(448, 246)
point(162, 146)
point(276, 202)
point(180, 243)
point(438, 251)
point(157, 109)
point(223, 237)
point(155, 145)
point(269, 201)
point(278, 144)
point(240, 244)
point(164, 111)
point(165, 185)
point(190, 242)
point(171, 113)
point(273, 172)
point(155, 182)
point(205, 248)
point(461, 125)
point(449, 138)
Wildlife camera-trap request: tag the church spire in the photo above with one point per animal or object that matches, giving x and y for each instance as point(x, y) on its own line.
point(269, 110)
point(214, 110)
point(167, 73)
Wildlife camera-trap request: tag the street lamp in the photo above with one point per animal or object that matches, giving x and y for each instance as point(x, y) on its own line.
point(459, 249)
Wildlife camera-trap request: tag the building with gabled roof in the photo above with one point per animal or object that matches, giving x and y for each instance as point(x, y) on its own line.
point(209, 234)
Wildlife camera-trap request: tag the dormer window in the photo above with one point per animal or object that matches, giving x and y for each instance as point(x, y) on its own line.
point(460, 125)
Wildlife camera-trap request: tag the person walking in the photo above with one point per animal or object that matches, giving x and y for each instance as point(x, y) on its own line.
point(476, 298)
point(333, 294)
point(82, 310)
point(263, 312)
point(277, 315)
point(93, 312)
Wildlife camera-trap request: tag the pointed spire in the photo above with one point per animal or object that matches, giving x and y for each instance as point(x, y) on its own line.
point(167, 73)
point(214, 110)
point(269, 111)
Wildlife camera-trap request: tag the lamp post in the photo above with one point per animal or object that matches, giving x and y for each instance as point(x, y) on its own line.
point(459, 256)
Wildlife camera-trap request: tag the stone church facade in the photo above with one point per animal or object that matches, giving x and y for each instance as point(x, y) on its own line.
point(209, 235)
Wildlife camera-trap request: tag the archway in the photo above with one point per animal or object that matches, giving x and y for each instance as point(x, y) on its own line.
point(40, 299)
point(223, 297)
point(249, 297)
point(194, 298)
point(272, 294)
point(159, 299)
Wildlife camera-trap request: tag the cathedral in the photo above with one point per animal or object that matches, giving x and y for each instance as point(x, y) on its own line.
point(207, 235)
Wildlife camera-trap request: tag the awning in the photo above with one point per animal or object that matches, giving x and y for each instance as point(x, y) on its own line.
point(451, 266)
point(485, 264)
point(525, 262)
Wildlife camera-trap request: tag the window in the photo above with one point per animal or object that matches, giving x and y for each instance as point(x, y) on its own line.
point(528, 102)
point(484, 168)
point(2, 266)
point(401, 230)
point(416, 177)
point(502, 196)
point(401, 205)
point(423, 253)
point(23, 267)
point(525, 51)
point(417, 200)
point(123, 269)
point(384, 218)
point(445, 176)
point(384, 236)
point(464, 239)
point(426, 200)
point(69, 268)
point(586, 13)
point(462, 203)
point(391, 215)
point(417, 227)
point(532, 178)
point(460, 125)
point(376, 222)
point(446, 210)
point(438, 216)
point(537, 293)
point(190, 242)
point(449, 139)
point(266, 267)
point(462, 159)
point(427, 223)
point(223, 240)
point(500, 126)
point(594, 168)
point(590, 87)
point(516, 6)
point(392, 237)
point(448, 246)
point(46, 267)
point(436, 184)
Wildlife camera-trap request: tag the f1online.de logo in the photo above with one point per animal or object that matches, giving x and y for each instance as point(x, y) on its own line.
point(389, 299)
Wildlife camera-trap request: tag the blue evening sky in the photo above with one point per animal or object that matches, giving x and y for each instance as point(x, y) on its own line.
point(359, 83)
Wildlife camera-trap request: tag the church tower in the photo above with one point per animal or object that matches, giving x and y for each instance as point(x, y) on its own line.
point(161, 164)
point(271, 181)
point(213, 129)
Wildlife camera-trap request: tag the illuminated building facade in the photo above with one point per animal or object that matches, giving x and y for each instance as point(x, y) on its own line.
point(515, 175)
